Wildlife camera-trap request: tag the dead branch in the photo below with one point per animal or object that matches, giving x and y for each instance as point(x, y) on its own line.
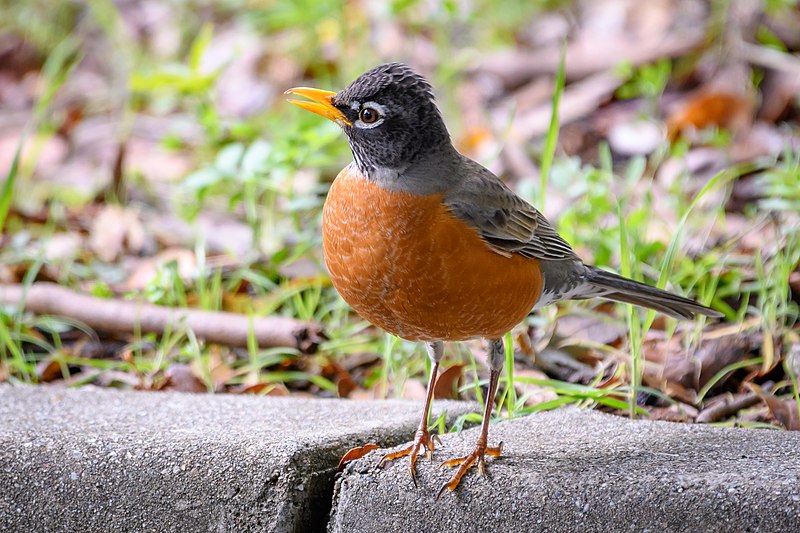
point(726, 408)
point(769, 58)
point(587, 58)
point(577, 101)
point(127, 316)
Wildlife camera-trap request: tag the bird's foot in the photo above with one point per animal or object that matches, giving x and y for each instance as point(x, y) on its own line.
point(477, 455)
point(422, 440)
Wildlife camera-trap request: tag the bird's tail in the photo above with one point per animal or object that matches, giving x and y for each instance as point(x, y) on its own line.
point(609, 285)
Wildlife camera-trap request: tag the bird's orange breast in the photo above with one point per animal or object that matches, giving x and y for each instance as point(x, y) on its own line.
point(408, 265)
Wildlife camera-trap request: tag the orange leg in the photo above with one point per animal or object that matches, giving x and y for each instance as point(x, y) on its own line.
point(422, 439)
point(481, 450)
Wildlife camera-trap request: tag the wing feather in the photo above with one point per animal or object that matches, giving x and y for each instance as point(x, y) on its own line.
point(506, 222)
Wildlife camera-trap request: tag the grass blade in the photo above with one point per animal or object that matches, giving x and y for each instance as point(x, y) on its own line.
point(552, 130)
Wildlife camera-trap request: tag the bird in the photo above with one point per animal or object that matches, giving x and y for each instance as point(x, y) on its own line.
point(432, 247)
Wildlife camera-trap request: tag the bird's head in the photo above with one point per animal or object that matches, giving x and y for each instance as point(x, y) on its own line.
point(388, 114)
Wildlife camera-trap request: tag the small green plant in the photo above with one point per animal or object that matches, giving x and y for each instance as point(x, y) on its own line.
point(648, 82)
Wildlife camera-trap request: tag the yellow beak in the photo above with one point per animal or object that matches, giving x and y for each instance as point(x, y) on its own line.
point(320, 104)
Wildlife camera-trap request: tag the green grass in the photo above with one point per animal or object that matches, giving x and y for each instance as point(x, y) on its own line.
point(551, 139)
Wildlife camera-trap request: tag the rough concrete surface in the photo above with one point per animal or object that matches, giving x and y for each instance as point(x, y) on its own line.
point(101, 460)
point(586, 471)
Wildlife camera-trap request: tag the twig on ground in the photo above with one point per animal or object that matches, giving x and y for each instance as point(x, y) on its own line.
point(124, 316)
point(578, 100)
point(724, 409)
point(769, 58)
point(586, 58)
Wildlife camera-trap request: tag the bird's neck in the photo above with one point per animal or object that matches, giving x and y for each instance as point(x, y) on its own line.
point(433, 171)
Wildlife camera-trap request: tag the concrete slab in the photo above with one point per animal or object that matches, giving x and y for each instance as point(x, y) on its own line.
point(102, 460)
point(586, 471)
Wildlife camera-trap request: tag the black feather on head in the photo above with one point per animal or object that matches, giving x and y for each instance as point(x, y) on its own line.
point(409, 126)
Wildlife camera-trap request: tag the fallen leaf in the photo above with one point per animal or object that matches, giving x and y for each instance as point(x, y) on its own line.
point(48, 370)
point(682, 374)
point(263, 389)
point(672, 413)
point(364, 394)
point(413, 390)
point(447, 383)
point(359, 359)
point(794, 283)
point(181, 378)
point(62, 246)
point(44, 153)
point(716, 354)
point(344, 381)
point(635, 137)
point(590, 328)
point(533, 394)
point(780, 90)
point(355, 453)
point(116, 379)
point(116, 229)
point(709, 108)
point(785, 411)
point(219, 371)
point(147, 269)
point(473, 140)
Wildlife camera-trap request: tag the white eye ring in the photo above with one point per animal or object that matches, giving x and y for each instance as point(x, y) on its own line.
point(377, 107)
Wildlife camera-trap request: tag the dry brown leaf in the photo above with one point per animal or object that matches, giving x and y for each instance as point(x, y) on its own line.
point(344, 381)
point(794, 283)
point(635, 137)
point(709, 108)
point(779, 93)
point(567, 363)
point(262, 389)
point(534, 394)
point(147, 269)
point(181, 378)
point(355, 453)
point(359, 359)
point(681, 393)
point(150, 159)
point(413, 390)
point(681, 374)
point(364, 394)
point(672, 413)
point(301, 269)
point(473, 140)
point(716, 354)
point(116, 230)
point(220, 372)
point(590, 328)
point(113, 378)
point(45, 153)
point(8, 274)
point(48, 370)
point(785, 411)
point(62, 246)
point(447, 383)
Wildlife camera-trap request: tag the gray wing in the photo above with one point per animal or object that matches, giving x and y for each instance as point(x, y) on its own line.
point(506, 222)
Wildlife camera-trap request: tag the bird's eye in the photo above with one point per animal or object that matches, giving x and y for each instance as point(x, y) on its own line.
point(368, 115)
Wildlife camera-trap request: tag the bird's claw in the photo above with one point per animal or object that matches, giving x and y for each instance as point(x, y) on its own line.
point(423, 440)
point(477, 455)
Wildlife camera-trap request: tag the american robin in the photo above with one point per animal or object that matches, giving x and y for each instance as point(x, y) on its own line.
point(432, 247)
